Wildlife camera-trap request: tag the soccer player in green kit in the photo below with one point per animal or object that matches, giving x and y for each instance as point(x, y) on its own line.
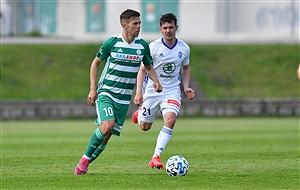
point(123, 54)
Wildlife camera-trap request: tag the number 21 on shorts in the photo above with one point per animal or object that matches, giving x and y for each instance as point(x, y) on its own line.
point(146, 111)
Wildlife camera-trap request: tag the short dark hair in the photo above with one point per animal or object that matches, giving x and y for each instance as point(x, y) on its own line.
point(129, 13)
point(169, 17)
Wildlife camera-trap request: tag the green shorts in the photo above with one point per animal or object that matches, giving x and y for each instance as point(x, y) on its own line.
point(107, 109)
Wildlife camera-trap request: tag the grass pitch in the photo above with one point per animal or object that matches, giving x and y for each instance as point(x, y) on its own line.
point(223, 153)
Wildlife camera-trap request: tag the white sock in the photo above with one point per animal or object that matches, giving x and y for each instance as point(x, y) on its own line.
point(85, 156)
point(162, 140)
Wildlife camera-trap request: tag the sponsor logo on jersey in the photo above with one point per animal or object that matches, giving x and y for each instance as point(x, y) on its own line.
point(124, 56)
point(169, 68)
point(166, 76)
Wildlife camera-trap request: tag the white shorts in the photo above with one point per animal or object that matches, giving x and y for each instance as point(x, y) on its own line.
point(163, 103)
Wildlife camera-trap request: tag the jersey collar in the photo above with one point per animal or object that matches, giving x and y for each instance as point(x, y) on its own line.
point(162, 40)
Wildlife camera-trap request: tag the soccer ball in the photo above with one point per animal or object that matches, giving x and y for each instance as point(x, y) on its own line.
point(177, 166)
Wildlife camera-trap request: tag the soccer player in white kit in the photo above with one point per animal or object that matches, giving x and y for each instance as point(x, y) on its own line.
point(171, 63)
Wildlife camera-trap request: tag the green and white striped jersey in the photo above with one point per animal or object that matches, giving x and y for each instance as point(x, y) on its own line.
point(121, 67)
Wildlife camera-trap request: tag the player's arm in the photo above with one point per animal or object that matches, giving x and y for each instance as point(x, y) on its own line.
point(138, 99)
point(102, 54)
point(93, 81)
point(147, 60)
point(152, 74)
point(186, 76)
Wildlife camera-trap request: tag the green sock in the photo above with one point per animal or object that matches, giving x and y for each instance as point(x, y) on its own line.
point(97, 152)
point(95, 141)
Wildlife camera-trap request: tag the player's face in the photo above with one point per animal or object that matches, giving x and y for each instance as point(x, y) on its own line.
point(133, 26)
point(168, 30)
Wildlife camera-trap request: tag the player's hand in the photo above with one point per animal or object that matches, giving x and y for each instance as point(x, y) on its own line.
point(92, 97)
point(138, 99)
point(157, 87)
point(190, 93)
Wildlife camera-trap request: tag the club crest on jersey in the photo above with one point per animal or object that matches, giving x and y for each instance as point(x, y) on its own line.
point(138, 52)
point(180, 55)
point(169, 68)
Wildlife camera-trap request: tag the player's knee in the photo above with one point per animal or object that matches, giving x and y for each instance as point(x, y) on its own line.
point(170, 121)
point(106, 138)
point(107, 126)
point(145, 126)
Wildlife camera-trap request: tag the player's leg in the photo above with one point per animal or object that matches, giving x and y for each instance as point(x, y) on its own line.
point(146, 116)
point(162, 139)
point(120, 116)
point(96, 139)
point(170, 108)
point(107, 123)
point(165, 133)
point(146, 113)
point(100, 148)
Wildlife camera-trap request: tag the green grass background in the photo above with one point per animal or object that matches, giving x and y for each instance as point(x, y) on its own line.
point(222, 71)
point(223, 153)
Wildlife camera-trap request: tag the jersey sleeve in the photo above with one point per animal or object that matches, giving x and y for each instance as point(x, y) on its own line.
point(151, 47)
point(105, 49)
point(147, 59)
point(186, 61)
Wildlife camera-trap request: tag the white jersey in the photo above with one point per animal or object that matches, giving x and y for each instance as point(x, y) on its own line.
point(167, 62)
